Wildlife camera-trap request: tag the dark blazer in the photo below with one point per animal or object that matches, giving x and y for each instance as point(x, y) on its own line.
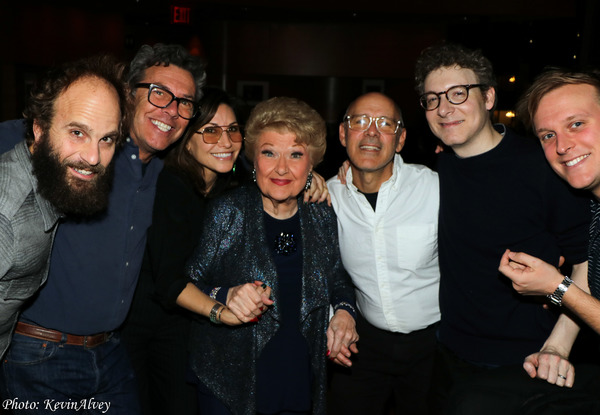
point(233, 250)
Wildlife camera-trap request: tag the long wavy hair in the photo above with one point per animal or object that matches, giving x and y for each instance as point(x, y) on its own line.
point(180, 159)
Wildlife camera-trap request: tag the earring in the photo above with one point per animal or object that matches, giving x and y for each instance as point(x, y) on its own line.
point(308, 180)
point(254, 175)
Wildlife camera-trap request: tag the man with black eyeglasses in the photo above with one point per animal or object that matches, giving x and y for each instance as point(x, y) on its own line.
point(496, 192)
point(387, 223)
point(66, 354)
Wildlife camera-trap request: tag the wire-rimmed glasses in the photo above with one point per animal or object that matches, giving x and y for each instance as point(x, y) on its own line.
point(212, 134)
point(362, 122)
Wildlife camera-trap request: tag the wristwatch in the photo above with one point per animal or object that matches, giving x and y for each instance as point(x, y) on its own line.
point(556, 297)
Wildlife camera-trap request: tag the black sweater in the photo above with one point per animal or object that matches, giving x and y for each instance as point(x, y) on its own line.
point(510, 198)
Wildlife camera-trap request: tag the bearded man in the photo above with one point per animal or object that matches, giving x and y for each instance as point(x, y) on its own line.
point(75, 120)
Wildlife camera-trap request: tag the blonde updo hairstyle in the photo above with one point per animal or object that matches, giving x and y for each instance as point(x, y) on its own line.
point(287, 115)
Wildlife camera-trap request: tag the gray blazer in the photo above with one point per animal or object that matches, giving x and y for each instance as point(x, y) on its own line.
point(27, 226)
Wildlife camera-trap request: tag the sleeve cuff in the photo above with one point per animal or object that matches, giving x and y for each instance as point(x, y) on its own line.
point(217, 293)
point(344, 305)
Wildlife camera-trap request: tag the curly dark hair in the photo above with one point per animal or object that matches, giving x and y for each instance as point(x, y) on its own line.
point(179, 158)
point(40, 106)
point(448, 55)
point(165, 55)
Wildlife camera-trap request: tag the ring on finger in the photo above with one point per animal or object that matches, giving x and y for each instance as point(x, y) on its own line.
point(562, 376)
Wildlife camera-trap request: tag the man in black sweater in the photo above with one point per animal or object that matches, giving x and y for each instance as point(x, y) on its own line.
point(496, 192)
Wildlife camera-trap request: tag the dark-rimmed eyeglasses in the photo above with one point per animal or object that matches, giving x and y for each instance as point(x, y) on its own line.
point(455, 95)
point(362, 122)
point(162, 98)
point(212, 134)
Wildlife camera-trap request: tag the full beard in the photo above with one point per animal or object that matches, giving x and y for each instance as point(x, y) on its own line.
point(70, 195)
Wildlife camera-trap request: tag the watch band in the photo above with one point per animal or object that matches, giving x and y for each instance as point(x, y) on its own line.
point(556, 297)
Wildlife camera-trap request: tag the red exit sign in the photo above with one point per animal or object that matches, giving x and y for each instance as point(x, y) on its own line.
point(180, 14)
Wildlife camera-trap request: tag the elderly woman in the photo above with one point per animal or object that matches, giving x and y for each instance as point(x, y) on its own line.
point(262, 241)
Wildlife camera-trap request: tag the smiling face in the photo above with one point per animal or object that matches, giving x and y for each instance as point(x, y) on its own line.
point(465, 127)
point(371, 151)
point(567, 122)
point(71, 159)
point(282, 166)
point(219, 157)
point(154, 129)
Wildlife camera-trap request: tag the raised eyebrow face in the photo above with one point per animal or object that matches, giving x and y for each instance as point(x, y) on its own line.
point(166, 88)
point(88, 130)
point(234, 123)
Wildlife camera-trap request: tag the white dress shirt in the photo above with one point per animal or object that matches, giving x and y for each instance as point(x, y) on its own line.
point(391, 252)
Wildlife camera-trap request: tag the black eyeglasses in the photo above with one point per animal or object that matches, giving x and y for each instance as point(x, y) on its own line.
point(212, 134)
point(362, 122)
point(455, 95)
point(162, 98)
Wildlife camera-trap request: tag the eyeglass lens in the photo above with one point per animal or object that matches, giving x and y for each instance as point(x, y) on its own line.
point(455, 95)
point(162, 98)
point(212, 135)
point(384, 125)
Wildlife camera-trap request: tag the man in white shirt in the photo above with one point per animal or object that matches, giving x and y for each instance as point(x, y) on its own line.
point(387, 222)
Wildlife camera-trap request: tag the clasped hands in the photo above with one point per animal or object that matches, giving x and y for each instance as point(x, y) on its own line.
point(246, 303)
point(532, 276)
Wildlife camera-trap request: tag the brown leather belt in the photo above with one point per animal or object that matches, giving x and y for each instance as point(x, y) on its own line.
point(56, 336)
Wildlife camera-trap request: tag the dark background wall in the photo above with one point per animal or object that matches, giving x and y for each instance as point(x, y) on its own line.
point(324, 52)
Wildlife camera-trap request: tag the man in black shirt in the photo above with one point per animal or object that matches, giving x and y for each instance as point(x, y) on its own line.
point(496, 192)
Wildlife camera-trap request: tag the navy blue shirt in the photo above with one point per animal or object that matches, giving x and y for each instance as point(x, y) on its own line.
point(95, 264)
point(11, 132)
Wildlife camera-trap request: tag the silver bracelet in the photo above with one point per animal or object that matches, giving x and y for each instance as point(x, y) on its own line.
point(213, 316)
point(344, 304)
point(214, 292)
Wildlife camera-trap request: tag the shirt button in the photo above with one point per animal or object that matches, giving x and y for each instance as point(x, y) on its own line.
point(133, 157)
point(127, 264)
point(131, 228)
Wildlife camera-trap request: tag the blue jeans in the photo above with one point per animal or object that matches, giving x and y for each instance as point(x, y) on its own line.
point(44, 377)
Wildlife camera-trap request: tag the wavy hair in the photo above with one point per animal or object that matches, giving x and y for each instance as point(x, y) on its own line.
point(446, 55)
point(179, 158)
point(165, 55)
point(283, 114)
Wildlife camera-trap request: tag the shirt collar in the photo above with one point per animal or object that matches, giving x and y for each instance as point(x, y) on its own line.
point(392, 181)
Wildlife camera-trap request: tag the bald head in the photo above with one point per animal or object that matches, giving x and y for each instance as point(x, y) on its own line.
point(375, 98)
